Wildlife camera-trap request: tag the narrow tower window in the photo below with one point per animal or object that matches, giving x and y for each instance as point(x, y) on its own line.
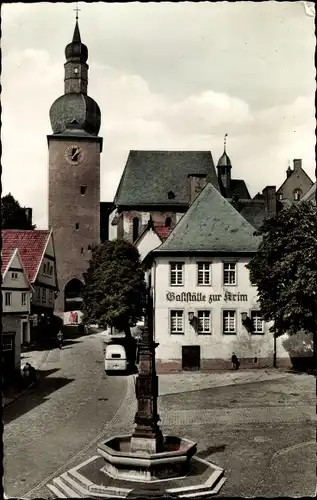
point(82, 250)
point(83, 189)
point(89, 248)
point(168, 222)
point(77, 226)
point(76, 71)
point(135, 231)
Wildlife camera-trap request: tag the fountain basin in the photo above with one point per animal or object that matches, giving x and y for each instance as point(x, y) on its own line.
point(123, 463)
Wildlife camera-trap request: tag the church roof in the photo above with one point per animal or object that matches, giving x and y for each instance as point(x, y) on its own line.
point(211, 225)
point(237, 188)
point(161, 177)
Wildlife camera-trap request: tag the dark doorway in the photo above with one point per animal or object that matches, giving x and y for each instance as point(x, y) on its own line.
point(191, 358)
point(8, 356)
point(24, 332)
point(73, 295)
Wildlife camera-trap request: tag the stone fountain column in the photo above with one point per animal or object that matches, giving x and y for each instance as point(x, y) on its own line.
point(145, 463)
point(147, 436)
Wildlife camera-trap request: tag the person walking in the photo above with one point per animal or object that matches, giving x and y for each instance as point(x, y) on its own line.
point(60, 339)
point(235, 362)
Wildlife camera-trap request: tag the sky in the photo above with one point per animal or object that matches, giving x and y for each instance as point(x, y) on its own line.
point(169, 75)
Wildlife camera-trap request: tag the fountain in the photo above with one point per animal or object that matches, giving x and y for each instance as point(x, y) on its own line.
point(146, 462)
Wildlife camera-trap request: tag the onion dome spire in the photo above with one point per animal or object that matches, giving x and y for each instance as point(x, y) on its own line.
point(75, 110)
point(224, 160)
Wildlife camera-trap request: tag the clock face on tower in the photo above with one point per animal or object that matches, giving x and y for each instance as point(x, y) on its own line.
point(74, 155)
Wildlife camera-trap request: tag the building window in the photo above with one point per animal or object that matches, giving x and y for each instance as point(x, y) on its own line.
point(51, 269)
point(229, 273)
point(135, 229)
point(8, 296)
point(38, 294)
point(43, 295)
point(23, 299)
point(176, 273)
point(83, 189)
point(82, 250)
point(258, 323)
point(44, 268)
point(77, 226)
point(89, 248)
point(297, 194)
point(229, 321)
point(171, 195)
point(14, 276)
point(50, 296)
point(280, 196)
point(177, 321)
point(204, 323)
point(203, 273)
point(76, 70)
point(7, 342)
point(168, 222)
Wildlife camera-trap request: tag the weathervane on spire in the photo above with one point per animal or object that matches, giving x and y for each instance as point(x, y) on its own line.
point(225, 142)
point(77, 10)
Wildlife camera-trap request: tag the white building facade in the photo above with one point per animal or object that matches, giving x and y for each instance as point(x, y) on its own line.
point(200, 304)
point(205, 307)
point(16, 303)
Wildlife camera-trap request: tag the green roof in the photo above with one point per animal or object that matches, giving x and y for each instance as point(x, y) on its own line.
point(161, 177)
point(211, 224)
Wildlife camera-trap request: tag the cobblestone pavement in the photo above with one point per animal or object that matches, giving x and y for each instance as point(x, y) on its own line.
point(58, 419)
point(257, 425)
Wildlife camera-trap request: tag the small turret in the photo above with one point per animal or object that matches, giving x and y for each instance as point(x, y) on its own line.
point(224, 167)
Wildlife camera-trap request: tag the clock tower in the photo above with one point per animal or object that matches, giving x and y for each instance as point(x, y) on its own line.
point(74, 176)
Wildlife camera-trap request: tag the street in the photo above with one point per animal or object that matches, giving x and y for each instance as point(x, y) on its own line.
point(259, 425)
point(61, 417)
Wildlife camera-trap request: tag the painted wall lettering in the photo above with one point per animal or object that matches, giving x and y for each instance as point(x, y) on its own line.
point(201, 297)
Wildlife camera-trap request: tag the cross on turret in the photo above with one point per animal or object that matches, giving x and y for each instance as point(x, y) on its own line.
point(77, 10)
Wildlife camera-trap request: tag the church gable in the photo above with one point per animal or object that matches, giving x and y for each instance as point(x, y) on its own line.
point(161, 178)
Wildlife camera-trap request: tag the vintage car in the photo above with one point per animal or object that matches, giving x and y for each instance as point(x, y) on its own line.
point(115, 358)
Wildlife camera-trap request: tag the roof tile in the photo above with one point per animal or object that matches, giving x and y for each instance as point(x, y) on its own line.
point(149, 176)
point(31, 245)
point(212, 224)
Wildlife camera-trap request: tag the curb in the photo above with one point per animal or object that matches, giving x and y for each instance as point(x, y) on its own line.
point(18, 396)
point(30, 386)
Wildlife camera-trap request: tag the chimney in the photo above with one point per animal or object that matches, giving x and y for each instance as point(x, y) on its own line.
point(28, 213)
point(269, 193)
point(297, 165)
point(196, 183)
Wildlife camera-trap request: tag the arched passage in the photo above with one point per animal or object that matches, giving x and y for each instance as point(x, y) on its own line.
point(72, 295)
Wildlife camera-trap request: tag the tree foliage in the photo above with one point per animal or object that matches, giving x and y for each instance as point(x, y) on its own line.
point(13, 215)
point(284, 270)
point(115, 290)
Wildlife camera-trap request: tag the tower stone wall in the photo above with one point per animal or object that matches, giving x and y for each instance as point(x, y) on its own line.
point(68, 207)
point(74, 174)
